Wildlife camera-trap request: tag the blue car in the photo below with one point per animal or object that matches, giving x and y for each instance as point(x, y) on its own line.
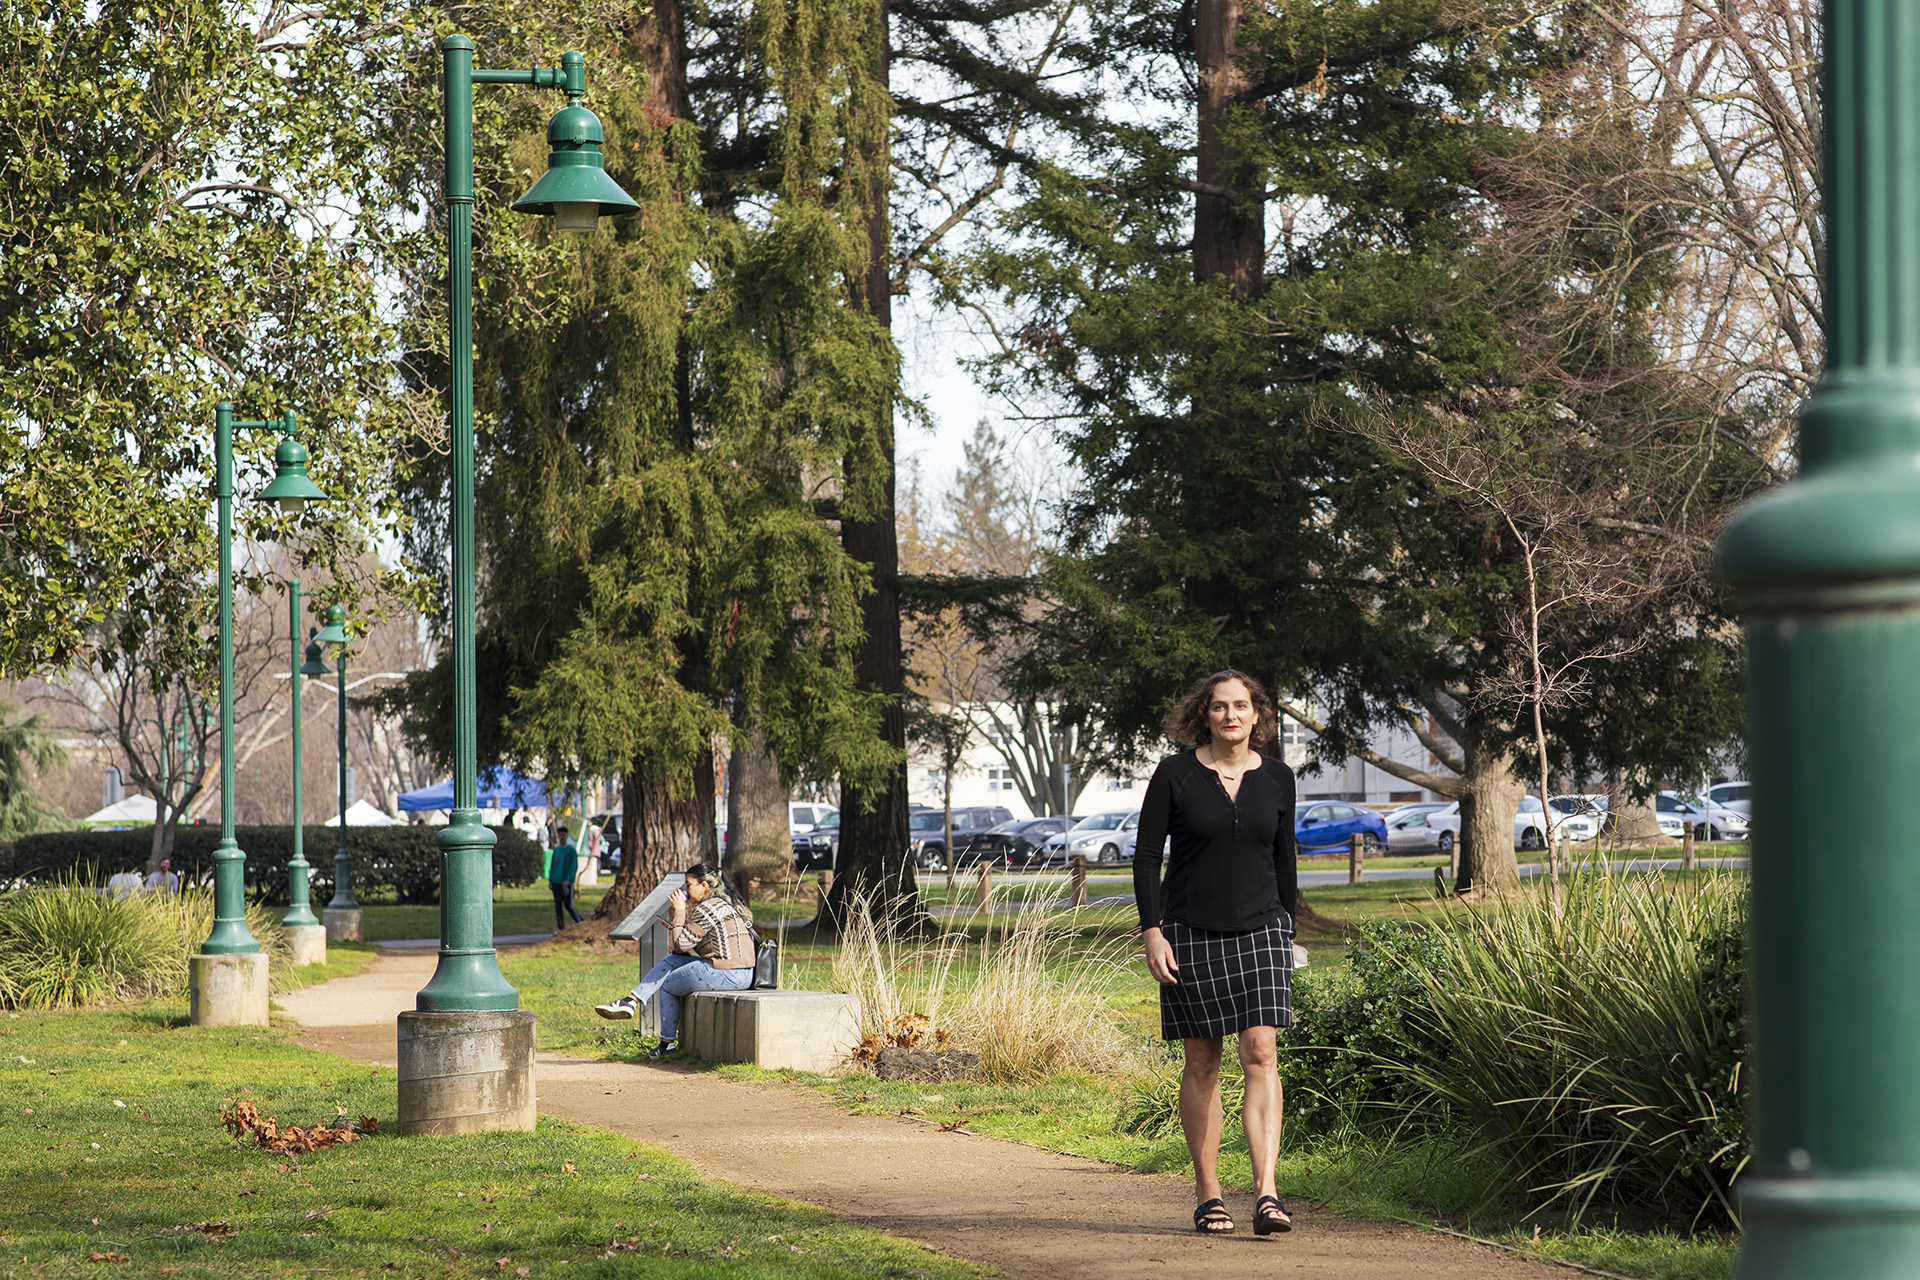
point(1322, 826)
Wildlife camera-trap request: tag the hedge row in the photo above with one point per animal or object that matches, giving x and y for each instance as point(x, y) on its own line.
point(389, 863)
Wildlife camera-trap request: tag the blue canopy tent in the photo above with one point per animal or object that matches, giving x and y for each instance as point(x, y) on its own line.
point(499, 789)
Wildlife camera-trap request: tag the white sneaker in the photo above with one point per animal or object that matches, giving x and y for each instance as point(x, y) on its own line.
point(617, 1009)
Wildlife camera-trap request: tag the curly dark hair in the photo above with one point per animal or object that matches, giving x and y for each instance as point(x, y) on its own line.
point(1187, 722)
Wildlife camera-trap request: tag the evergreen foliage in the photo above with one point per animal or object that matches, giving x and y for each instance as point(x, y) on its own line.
point(1257, 490)
point(654, 441)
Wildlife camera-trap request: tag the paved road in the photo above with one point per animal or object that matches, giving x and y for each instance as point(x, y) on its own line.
point(1308, 880)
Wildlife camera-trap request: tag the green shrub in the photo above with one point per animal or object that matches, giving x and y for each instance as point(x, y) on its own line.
point(68, 945)
point(1340, 1057)
point(1353, 1033)
point(389, 863)
point(1596, 1044)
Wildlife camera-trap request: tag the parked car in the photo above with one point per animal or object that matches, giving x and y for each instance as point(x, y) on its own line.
point(927, 830)
point(1581, 815)
point(1407, 829)
point(1736, 796)
point(803, 816)
point(1099, 838)
point(1709, 821)
point(1014, 843)
point(1326, 824)
point(816, 848)
point(1529, 825)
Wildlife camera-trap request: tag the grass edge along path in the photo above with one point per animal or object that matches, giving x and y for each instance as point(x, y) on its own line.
point(112, 1146)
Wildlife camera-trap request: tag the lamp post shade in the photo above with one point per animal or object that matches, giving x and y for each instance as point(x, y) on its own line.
point(291, 488)
point(575, 189)
point(316, 664)
point(335, 632)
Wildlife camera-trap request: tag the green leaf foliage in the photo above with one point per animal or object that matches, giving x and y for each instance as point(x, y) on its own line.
point(196, 210)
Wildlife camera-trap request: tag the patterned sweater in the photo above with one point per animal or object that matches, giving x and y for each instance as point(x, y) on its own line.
point(716, 933)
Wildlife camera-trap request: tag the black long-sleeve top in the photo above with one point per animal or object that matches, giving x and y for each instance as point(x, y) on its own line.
point(1232, 868)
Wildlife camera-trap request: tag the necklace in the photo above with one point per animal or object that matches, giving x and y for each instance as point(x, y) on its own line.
point(1231, 775)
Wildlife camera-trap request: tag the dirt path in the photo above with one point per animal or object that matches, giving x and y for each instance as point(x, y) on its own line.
point(1029, 1212)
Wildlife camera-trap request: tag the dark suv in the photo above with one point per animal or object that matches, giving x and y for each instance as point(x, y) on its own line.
point(815, 850)
point(1014, 843)
point(927, 830)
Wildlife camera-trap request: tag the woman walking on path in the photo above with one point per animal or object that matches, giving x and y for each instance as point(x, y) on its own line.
point(712, 951)
point(1219, 930)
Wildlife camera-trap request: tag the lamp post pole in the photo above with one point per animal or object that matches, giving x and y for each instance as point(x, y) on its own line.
point(306, 936)
point(344, 919)
point(577, 190)
point(466, 1049)
point(1826, 577)
point(229, 936)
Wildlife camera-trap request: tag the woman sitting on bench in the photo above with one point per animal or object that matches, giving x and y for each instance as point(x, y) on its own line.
point(712, 951)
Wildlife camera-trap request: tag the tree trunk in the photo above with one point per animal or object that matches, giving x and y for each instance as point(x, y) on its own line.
point(1634, 823)
point(662, 38)
point(759, 839)
point(873, 821)
point(1487, 811)
point(661, 831)
point(1229, 231)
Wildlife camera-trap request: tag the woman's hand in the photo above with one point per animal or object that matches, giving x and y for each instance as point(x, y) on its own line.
point(677, 908)
point(1160, 961)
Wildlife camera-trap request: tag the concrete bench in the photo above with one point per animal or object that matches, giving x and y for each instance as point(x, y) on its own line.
point(796, 1030)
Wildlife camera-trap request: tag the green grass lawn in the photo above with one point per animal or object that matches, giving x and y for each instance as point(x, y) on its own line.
point(113, 1148)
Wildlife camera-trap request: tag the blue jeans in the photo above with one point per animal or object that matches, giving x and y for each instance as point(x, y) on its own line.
point(679, 975)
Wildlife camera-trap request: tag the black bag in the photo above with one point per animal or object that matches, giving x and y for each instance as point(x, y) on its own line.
point(766, 964)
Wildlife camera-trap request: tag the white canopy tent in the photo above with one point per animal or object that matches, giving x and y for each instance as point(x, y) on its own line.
point(362, 814)
point(126, 812)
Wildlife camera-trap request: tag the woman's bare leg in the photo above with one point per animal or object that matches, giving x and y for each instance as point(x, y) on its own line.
point(1200, 1114)
point(1263, 1110)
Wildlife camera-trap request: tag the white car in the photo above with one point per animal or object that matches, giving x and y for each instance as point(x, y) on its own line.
point(1529, 825)
point(802, 818)
point(1736, 796)
point(1709, 821)
point(1098, 838)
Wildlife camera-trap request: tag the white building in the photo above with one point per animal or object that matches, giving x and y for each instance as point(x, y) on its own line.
point(985, 778)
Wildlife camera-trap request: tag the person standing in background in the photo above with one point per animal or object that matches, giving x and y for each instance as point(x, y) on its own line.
point(563, 867)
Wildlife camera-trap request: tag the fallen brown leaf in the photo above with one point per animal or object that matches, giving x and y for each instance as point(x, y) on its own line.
point(108, 1257)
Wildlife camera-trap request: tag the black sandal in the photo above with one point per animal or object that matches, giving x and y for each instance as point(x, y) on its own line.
point(1267, 1222)
point(1210, 1216)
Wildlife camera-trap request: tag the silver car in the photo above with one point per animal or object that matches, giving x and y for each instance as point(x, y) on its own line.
point(1407, 829)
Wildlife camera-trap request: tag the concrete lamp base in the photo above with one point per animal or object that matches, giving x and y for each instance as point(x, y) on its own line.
point(306, 944)
point(344, 924)
point(468, 1072)
point(228, 990)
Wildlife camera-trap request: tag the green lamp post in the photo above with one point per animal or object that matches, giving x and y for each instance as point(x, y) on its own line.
point(1826, 577)
point(299, 911)
point(577, 192)
point(342, 909)
point(227, 992)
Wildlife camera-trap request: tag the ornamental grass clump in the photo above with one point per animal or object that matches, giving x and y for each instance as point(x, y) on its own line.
point(1597, 1044)
point(1028, 998)
point(69, 946)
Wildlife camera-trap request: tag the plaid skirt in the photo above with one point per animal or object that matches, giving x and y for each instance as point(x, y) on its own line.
point(1228, 981)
